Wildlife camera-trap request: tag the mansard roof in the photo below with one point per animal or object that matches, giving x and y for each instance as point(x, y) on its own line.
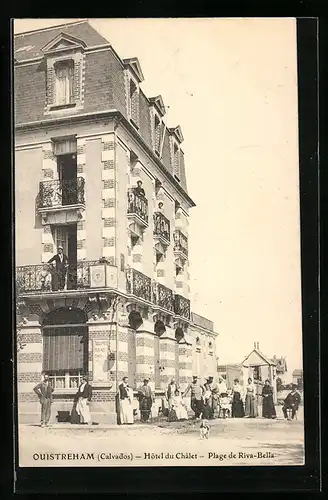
point(29, 45)
point(134, 64)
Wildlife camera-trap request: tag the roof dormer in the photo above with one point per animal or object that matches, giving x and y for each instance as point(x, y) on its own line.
point(159, 104)
point(133, 64)
point(65, 67)
point(177, 132)
point(63, 43)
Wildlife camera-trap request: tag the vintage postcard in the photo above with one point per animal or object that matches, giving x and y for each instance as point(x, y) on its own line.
point(157, 243)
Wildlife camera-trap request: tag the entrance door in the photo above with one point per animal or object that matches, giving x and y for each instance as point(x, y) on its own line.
point(67, 172)
point(66, 237)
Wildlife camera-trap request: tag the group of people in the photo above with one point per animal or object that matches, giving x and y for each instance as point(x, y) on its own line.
point(207, 401)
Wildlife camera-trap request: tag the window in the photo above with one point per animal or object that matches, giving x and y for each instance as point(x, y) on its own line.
point(64, 83)
point(65, 347)
point(65, 355)
point(176, 161)
point(157, 135)
point(61, 238)
point(257, 373)
point(134, 102)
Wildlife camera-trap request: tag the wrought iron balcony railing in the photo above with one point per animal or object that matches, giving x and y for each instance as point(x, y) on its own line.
point(54, 193)
point(182, 306)
point(45, 278)
point(138, 284)
point(180, 242)
point(162, 226)
point(163, 296)
point(137, 205)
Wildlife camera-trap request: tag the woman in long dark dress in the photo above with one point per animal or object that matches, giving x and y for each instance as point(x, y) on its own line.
point(268, 409)
point(237, 407)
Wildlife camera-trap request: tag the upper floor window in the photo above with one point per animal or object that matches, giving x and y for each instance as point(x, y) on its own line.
point(157, 134)
point(133, 102)
point(176, 161)
point(64, 83)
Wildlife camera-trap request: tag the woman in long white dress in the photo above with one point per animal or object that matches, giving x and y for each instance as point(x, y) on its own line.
point(127, 407)
point(179, 407)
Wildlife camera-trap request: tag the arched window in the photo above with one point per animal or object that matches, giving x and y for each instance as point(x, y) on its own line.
point(65, 347)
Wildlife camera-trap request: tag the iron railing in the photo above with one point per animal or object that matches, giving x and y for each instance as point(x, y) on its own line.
point(161, 226)
point(163, 296)
point(180, 242)
point(182, 306)
point(137, 204)
point(54, 193)
point(45, 278)
point(138, 284)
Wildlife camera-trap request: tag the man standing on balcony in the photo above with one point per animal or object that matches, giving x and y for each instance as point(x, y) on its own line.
point(44, 392)
point(139, 189)
point(59, 277)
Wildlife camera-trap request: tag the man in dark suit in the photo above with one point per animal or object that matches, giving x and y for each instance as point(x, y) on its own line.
point(292, 403)
point(83, 397)
point(139, 189)
point(44, 392)
point(59, 277)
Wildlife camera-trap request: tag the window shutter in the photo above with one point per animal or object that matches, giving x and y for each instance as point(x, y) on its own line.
point(63, 349)
point(64, 147)
point(51, 83)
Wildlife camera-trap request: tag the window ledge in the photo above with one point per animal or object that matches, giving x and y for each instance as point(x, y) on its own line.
point(134, 124)
point(58, 107)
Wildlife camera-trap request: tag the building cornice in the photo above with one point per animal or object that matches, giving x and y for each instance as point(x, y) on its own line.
point(106, 114)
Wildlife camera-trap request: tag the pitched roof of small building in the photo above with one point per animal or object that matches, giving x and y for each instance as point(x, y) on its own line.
point(297, 373)
point(257, 358)
point(29, 45)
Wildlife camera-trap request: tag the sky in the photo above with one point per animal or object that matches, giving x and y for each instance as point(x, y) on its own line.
point(231, 84)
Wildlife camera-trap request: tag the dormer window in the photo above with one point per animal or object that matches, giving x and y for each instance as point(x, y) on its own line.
point(64, 84)
point(134, 102)
point(65, 61)
point(176, 161)
point(157, 134)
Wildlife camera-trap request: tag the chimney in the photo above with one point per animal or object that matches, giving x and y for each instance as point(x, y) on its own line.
point(258, 346)
point(254, 345)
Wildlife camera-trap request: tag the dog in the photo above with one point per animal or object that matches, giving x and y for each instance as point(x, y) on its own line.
point(204, 429)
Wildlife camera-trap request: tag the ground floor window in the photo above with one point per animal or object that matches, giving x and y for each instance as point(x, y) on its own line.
point(65, 355)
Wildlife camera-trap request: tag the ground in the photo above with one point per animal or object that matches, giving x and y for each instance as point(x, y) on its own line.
point(231, 442)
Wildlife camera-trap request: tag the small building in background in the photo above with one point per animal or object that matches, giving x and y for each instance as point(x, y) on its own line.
point(259, 367)
point(230, 372)
point(298, 378)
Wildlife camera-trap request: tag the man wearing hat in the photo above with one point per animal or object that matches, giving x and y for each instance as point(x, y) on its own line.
point(196, 396)
point(83, 397)
point(291, 403)
point(61, 262)
point(146, 399)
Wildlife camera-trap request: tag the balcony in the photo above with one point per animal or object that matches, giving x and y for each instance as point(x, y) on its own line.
point(44, 278)
point(138, 284)
point(61, 201)
point(163, 296)
point(180, 247)
point(137, 212)
point(161, 232)
point(182, 306)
